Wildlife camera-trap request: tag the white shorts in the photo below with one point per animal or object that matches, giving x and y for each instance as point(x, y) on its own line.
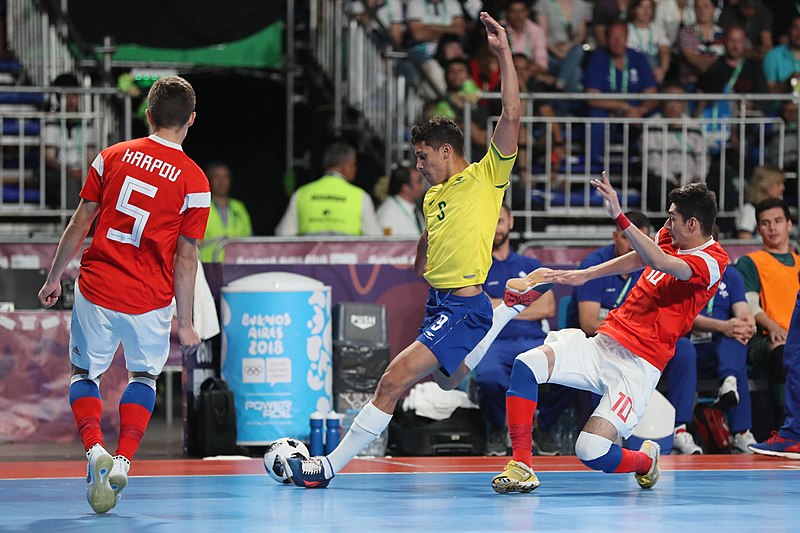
point(601, 365)
point(96, 332)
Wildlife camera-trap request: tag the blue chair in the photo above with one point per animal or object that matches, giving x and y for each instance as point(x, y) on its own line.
point(563, 306)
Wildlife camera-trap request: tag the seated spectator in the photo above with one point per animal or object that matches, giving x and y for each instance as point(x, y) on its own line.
point(462, 92)
point(69, 148)
point(331, 205)
point(228, 216)
point(619, 70)
point(605, 13)
point(756, 19)
point(484, 68)
point(399, 214)
point(781, 63)
point(672, 15)
point(720, 335)
point(524, 35)
point(564, 23)
point(528, 328)
point(427, 21)
point(389, 17)
point(766, 182)
point(676, 154)
point(790, 142)
point(771, 283)
point(700, 45)
point(648, 38)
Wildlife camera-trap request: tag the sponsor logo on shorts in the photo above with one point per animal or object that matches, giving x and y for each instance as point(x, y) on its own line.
point(76, 351)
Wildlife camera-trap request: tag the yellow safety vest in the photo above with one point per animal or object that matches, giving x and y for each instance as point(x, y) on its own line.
point(329, 205)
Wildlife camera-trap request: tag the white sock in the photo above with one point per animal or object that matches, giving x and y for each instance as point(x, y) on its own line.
point(368, 424)
point(501, 316)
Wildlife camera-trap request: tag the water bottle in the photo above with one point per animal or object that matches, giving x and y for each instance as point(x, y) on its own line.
point(333, 431)
point(315, 440)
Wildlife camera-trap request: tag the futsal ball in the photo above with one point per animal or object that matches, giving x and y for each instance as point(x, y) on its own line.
point(277, 451)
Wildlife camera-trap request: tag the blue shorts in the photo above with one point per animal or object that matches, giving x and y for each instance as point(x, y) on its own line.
point(454, 325)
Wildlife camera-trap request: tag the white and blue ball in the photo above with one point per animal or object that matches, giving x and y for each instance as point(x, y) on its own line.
point(279, 450)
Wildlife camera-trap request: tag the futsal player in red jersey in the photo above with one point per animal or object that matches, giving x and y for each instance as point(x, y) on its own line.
point(624, 361)
point(150, 202)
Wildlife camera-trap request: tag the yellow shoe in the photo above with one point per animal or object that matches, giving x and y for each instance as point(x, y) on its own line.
point(517, 477)
point(648, 480)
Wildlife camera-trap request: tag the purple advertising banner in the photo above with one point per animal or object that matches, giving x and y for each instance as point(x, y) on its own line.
point(330, 252)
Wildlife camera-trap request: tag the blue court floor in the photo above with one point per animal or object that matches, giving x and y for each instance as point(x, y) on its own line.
point(703, 500)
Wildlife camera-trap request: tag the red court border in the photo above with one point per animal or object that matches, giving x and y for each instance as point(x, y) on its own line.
point(386, 465)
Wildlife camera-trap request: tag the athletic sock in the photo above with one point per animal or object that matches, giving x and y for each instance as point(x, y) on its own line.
point(633, 461)
point(368, 424)
point(600, 453)
point(501, 316)
point(521, 400)
point(135, 408)
point(87, 408)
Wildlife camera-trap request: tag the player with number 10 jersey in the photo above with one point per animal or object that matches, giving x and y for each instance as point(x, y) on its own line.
point(149, 192)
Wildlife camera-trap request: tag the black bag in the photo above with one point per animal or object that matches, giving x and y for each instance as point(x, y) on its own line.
point(464, 433)
point(216, 419)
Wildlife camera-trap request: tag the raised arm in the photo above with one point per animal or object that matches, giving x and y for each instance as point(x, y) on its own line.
point(506, 134)
point(648, 250)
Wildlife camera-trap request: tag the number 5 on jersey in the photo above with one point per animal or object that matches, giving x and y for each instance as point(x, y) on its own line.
point(139, 215)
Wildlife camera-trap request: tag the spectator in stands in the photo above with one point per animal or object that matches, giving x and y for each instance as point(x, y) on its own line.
point(672, 15)
point(676, 154)
point(530, 326)
point(786, 441)
point(770, 283)
point(756, 19)
point(700, 45)
point(605, 13)
point(427, 21)
point(228, 216)
point(782, 63)
point(648, 38)
point(399, 214)
point(69, 148)
point(462, 92)
point(766, 182)
point(388, 19)
point(528, 154)
point(484, 68)
point(790, 142)
point(331, 205)
point(524, 35)
point(720, 335)
point(734, 73)
point(617, 69)
point(591, 303)
point(564, 23)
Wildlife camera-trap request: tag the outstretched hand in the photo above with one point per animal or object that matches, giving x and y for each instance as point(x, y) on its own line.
point(564, 277)
point(495, 34)
point(610, 199)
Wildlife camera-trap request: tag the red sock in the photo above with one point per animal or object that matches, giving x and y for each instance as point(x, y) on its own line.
point(133, 419)
point(87, 412)
point(634, 461)
point(520, 413)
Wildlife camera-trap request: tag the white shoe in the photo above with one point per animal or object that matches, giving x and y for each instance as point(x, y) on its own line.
point(741, 441)
point(684, 443)
point(119, 476)
point(728, 394)
point(98, 490)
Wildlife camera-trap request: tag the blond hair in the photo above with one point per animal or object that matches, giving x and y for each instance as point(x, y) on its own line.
point(762, 181)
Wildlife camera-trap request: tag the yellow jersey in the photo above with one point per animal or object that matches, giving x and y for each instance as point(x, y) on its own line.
point(461, 217)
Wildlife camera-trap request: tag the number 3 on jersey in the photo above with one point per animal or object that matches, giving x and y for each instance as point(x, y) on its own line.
point(139, 215)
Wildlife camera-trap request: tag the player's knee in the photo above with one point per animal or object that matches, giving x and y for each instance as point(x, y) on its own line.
point(596, 452)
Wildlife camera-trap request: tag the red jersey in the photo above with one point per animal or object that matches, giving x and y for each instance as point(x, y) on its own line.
point(661, 308)
point(149, 192)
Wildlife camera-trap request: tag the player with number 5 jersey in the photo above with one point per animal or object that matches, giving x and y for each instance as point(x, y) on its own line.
point(150, 202)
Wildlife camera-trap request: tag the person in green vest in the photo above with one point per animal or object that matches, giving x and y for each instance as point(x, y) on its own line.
point(331, 205)
point(228, 216)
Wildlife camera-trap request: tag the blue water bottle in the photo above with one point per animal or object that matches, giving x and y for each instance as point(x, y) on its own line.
point(315, 440)
point(333, 431)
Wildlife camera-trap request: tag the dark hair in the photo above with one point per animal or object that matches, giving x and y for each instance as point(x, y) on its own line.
point(638, 219)
point(66, 80)
point(632, 5)
point(771, 203)
point(171, 101)
point(457, 61)
point(698, 201)
point(438, 131)
point(444, 40)
point(617, 23)
point(216, 164)
point(336, 154)
point(400, 176)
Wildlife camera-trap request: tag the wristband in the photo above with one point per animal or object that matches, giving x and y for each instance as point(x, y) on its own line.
point(622, 222)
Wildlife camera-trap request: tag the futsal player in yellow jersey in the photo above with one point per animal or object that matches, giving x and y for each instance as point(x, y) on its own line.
point(454, 254)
